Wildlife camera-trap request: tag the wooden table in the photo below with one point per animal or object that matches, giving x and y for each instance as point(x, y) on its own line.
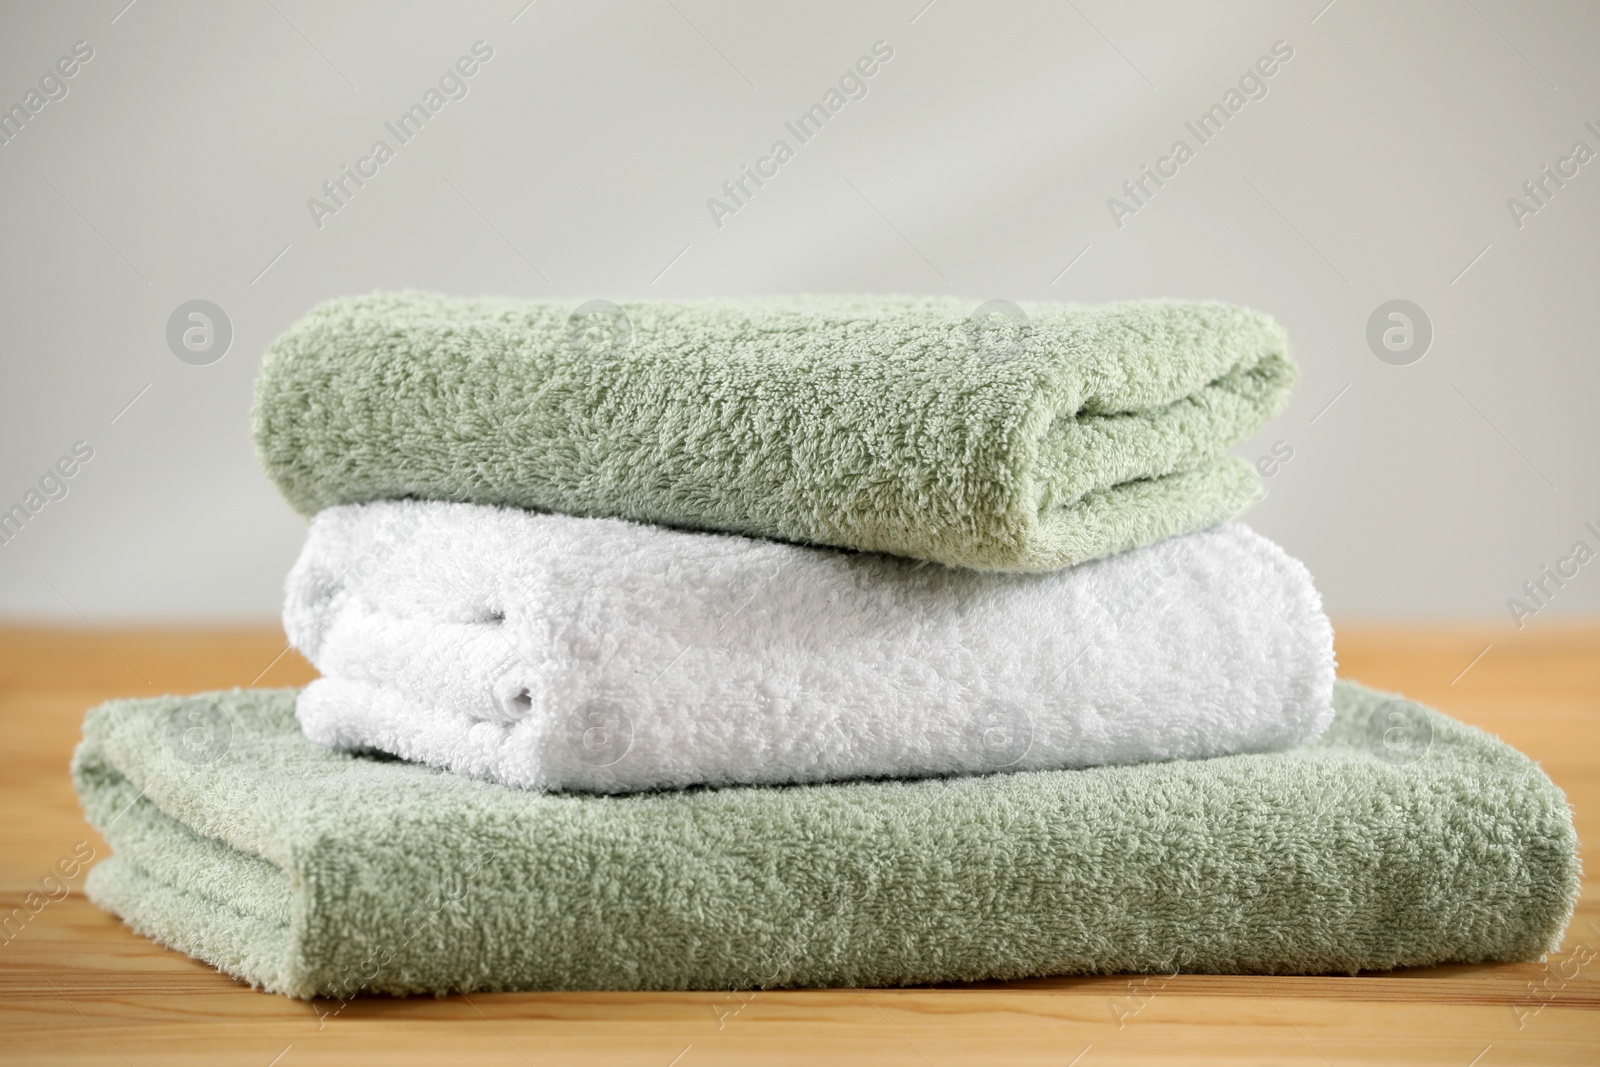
point(76, 987)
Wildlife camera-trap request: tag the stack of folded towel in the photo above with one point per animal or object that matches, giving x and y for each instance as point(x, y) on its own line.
point(815, 641)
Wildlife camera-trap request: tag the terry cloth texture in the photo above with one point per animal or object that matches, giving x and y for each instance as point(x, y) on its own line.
point(553, 652)
point(890, 424)
point(309, 871)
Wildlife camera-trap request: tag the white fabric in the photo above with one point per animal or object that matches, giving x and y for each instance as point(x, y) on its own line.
point(553, 652)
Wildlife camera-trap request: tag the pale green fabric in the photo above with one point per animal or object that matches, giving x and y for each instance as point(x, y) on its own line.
point(308, 871)
point(887, 424)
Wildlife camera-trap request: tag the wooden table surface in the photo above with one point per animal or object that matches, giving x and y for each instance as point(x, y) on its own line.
point(76, 987)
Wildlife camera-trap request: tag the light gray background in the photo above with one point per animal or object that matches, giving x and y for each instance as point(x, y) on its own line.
point(980, 163)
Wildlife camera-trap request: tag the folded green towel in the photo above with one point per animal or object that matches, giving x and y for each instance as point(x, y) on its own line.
point(911, 426)
point(1399, 838)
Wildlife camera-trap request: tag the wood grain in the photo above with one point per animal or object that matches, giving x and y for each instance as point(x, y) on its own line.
point(76, 987)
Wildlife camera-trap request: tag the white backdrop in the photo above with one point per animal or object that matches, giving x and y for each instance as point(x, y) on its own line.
point(1377, 162)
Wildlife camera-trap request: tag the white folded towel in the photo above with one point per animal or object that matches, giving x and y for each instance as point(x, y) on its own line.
point(553, 652)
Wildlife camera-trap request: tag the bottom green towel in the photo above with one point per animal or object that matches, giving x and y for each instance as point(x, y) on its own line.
point(1399, 838)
